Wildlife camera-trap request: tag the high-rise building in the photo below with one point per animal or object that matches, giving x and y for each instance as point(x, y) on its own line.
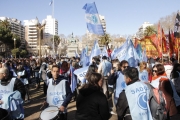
point(16, 28)
point(103, 22)
point(31, 35)
point(51, 27)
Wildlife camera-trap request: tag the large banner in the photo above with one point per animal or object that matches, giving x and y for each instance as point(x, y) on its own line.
point(81, 73)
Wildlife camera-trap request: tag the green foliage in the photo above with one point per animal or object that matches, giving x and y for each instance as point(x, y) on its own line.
point(104, 40)
point(5, 33)
point(149, 31)
point(15, 51)
point(56, 40)
point(23, 53)
point(6, 36)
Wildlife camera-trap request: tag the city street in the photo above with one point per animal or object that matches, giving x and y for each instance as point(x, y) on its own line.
point(32, 109)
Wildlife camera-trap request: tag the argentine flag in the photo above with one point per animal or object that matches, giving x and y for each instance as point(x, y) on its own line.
point(92, 19)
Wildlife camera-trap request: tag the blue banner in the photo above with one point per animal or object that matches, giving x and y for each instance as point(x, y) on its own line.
point(92, 19)
point(128, 52)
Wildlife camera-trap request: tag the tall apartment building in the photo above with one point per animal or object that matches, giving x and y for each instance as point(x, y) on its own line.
point(51, 27)
point(31, 36)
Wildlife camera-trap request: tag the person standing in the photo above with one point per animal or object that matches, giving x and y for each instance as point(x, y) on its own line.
point(43, 75)
point(59, 92)
point(91, 103)
point(9, 85)
point(133, 101)
point(105, 68)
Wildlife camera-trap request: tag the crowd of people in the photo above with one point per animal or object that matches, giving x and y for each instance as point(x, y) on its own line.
point(146, 91)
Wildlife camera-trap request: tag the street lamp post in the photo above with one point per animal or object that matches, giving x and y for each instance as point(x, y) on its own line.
point(39, 27)
point(15, 46)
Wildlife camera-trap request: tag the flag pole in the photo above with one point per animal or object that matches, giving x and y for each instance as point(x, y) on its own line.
point(107, 46)
point(53, 26)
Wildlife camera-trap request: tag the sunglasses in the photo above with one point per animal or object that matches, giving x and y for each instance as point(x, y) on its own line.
point(125, 66)
point(154, 71)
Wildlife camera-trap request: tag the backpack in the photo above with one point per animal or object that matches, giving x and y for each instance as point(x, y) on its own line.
point(157, 103)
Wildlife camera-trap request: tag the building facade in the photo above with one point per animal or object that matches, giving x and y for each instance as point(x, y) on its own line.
point(51, 27)
point(16, 28)
point(31, 36)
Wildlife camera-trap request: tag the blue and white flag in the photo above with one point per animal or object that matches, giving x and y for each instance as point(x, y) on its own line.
point(104, 52)
point(92, 19)
point(50, 3)
point(73, 79)
point(113, 54)
point(138, 95)
point(128, 52)
point(81, 73)
point(95, 51)
point(84, 58)
point(86, 50)
point(139, 51)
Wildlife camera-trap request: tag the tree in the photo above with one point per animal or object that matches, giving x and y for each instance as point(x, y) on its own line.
point(105, 39)
point(149, 30)
point(18, 41)
point(23, 53)
point(15, 51)
point(5, 34)
point(167, 22)
point(57, 40)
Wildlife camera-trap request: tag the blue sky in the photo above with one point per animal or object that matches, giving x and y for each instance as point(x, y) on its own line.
point(123, 17)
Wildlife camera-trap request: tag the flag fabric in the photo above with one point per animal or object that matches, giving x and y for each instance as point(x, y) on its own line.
point(81, 73)
point(104, 52)
point(95, 51)
point(84, 58)
point(177, 26)
point(171, 50)
point(113, 54)
point(128, 52)
point(73, 79)
point(164, 43)
point(139, 51)
point(159, 40)
point(86, 50)
point(50, 3)
point(136, 42)
point(92, 19)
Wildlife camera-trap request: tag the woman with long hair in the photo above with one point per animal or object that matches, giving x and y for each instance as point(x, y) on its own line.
point(160, 81)
point(91, 69)
point(91, 103)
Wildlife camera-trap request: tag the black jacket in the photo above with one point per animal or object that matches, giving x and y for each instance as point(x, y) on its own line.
point(122, 107)
point(92, 104)
point(18, 85)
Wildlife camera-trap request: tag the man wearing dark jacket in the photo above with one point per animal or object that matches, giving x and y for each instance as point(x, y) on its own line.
point(9, 84)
